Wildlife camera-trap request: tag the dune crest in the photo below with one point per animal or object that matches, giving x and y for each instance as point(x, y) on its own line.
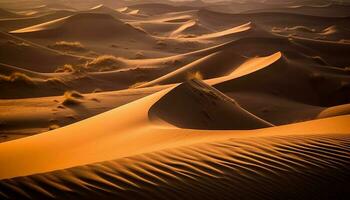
point(199, 106)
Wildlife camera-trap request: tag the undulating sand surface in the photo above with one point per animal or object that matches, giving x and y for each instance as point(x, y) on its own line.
point(153, 99)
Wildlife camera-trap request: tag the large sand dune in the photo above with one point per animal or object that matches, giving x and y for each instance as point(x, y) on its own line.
point(104, 99)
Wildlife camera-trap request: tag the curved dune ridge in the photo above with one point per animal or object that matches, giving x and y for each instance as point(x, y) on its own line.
point(83, 25)
point(234, 30)
point(199, 106)
point(106, 10)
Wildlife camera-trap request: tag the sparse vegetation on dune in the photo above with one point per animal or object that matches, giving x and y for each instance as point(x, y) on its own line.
point(72, 98)
point(105, 63)
point(53, 127)
point(17, 77)
point(195, 75)
point(68, 46)
point(67, 68)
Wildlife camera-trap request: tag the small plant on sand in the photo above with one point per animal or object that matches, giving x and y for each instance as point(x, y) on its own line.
point(17, 77)
point(53, 127)
point(65, 69)
point(68, 46)
point(161, 44)
point(139, 55)
point(72, 98)
point(97, 90)
point(105, 63)
point(194, 75)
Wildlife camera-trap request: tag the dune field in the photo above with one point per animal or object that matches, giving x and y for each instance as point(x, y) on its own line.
point(117, 99)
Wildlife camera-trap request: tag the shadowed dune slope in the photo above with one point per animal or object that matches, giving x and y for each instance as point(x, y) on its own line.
point(21, 53)
point(4, 14)
point(312, 84)
point(196, 105)
point(330, 10)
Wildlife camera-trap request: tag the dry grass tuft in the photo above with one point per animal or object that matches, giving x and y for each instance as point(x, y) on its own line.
point(68, 46)
point(17, 77)
point(67, 68)
point(105, 63)
point(53, 127)
point(194, 75)
point(72, 98)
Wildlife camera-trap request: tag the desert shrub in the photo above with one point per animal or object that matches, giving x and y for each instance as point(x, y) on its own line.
point(194, 75)
point(17, 77)
point(160, 44)
point(17, 43)
point(67, 68)
point(53, 127)
point(72, 98)
point(68, 46)
point(97, 90)
point(105, 63)
point(139, 55)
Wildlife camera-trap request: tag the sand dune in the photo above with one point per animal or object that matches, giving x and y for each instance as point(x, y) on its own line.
point(4, 14)
point(326, 10)
point(200, 106)
point(106, 10)
point(21, 53)
point(18, 23)
point(303, 135)
point(309, 93)
point(198, 172)
point(102, 150)
point(105, 99)
point(91, 25)
point(158, 8)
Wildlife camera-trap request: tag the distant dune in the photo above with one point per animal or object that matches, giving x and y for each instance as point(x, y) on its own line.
point(83, 26)
point(5, 14)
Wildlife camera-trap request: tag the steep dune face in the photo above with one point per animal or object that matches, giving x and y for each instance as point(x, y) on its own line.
point(196, 105)
point(83, 26)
